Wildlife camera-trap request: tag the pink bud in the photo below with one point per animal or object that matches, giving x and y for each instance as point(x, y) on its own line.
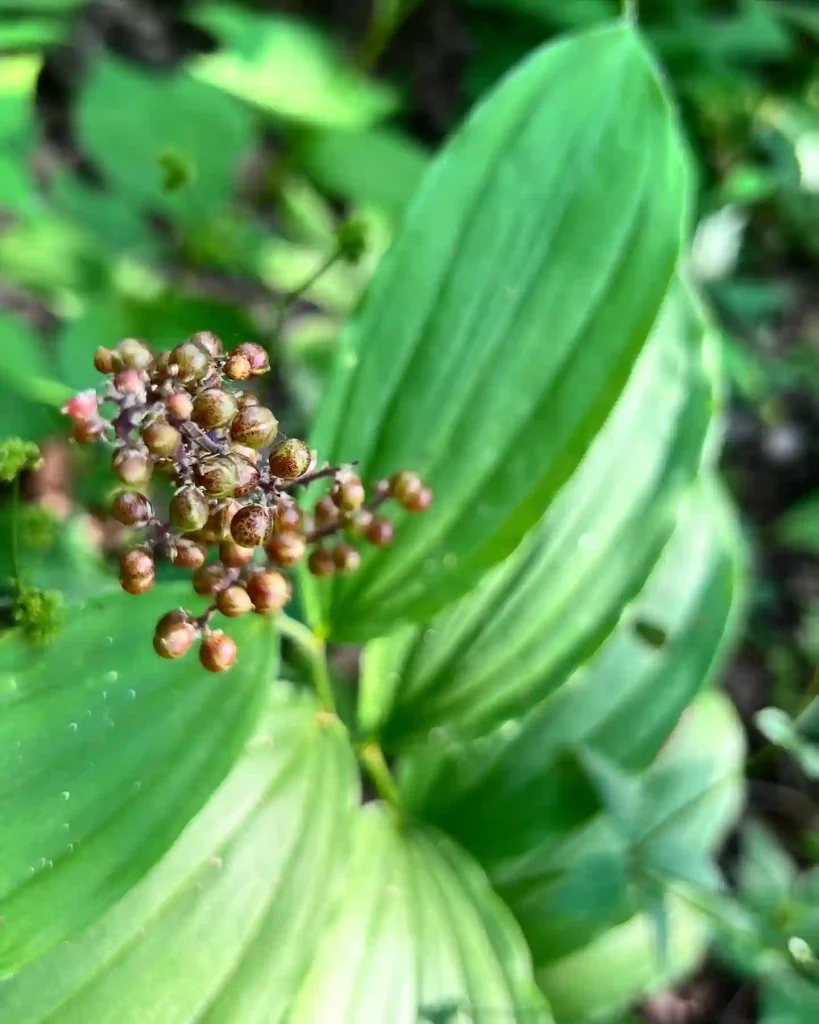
point(129, 382)
point(82, 406)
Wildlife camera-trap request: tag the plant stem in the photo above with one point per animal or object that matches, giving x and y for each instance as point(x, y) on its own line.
point(630, 11)
point(291, 297)
point(316, 653)
point(372, 758)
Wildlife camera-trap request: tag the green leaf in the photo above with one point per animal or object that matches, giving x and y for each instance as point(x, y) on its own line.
point(106, 751)
point(30, 33)
point(481, 357)
point(779, 728)
point(799, 527)
point(223, 928)
point(549, 606)
point(766, 872)
point(131, 122)
point(419, 935)
point(287, 69)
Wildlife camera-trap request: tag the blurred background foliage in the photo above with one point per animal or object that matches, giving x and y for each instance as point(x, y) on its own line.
point(170, 166)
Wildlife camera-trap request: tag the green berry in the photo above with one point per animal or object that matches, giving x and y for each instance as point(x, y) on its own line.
point(250, 526)
point(189, 509)
point(190, 361)
point(213, 408)
point(161, 439)
point(290, 459)
point(254, 426)
point(133, 354)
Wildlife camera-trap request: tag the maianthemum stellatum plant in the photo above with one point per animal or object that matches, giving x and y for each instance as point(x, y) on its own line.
point(548, 775)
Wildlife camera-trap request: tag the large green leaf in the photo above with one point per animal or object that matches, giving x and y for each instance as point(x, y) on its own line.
point(501, 328)
point(223, 928)
point(106, 751)
point(420, 936)
point(500, 650)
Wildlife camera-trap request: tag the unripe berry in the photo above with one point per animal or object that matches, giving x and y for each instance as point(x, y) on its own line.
point(285, 549)
point(250, 526)
point(133, 354)
point(233, 555)
point(217, 475)
point(250, 454)
point(131, 466)
point(129, 382)
point(218, 524)
point(380, 532)
point(269, 591)
point(247, 476)
point(132, 508)
point(290, 459)
point(174, 635)
point(82, 406)
point(210, 579)
point(161, 439)
point(137, 585)
point(213, 408)
point(346, 557)
point(257, 357)
point(348, 494)
point(189, 509)
point(325, 512)
point(357, 523)
point(419, 502)
point(104, 360)
point(208, 341)
point(87, 431)
point(137, 562)
point(321, 563)
point(234, 601)
point(238, 368)
point(179, 405)
point(246, 398)
point(190, 361)
point(288, 518)
point(254, 426)
point(404, 486)
point(187, 554)
point(217, 652)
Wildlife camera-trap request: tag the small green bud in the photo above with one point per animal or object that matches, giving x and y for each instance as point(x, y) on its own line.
point(351, 238)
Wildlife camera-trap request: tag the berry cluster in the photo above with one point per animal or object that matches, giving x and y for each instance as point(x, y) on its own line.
point(235, 486)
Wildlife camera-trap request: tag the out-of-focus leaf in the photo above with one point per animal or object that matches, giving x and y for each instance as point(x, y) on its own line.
point(285, 68)
point(226, 923)
point(480, 358)
point(799, 527)
point(766, 872)
point(29, 32)
point(24, 368)
point(106, 752)
point(779, 728)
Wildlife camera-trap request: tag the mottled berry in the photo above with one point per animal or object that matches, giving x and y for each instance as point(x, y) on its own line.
point(346, 557)
point(419, 502)
point(250, 454)
point(131, 466)
point(321, 562)
point(233, 555)
point(254, 426)
point(247, 476)
point(218, 524)
point(257, 357)
point(238, 367)
point(217, 475)
point(210, 579)
point(348, 493)
point(285, 549)
point(404, 486)
point(247, 398)
point(133, 354)
point(161, 439)
point(190, 362)
point(104, 360)
point(269, 591)
point(137, 585)
point(137, 562)
point(179, 405)
point(174, 635)
point(187, 554)
point(189, 509)
point(208, 341)
point(213, 408)
point(250, 526)
point(288, 518)
point(380, 532)
point(234, 601)
point(325, 513)
point(132, 508)
point(218, 652)
point(290, 459)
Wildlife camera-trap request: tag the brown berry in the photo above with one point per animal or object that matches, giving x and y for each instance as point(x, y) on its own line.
point(218, 651)
point(104, 360)
point(210, 579)
point(321, 562)
point(238, 368)
point(187, 554)
point(189, 509)
point(250, 526)
point(190, 362)
point(218, 524)
point(161, 439)
point(257, 357)
point(269, 591)
point(234, 601)
point(419, 502)
point(137, 585)
point(233, 555)
point(217, 475)
point(326, 513)
point(254, 426)
point(137, 562)
point(213, 408)
point(132, 508)
point(247, 476)
point(348, 494)
point(180, 405)
point(208, 341)
point(285, 549)
point(174, 635)
point(288, 518)
point(131, 466)
point(357, 523)
point(87, 431)
point(290, 459)
point(346, 557)
point(404, 486)
point(133, 354)
point(380, 532)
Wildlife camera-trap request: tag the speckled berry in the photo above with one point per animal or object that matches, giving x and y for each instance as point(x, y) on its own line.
point(190, 362)
point(131, 466)
point(250, 526)
point(189, 509)
point(234, 601)
point(238, 367)
point(269, 591)
point(213, 408)
point(132, 508)
point(290, 459)
point(217, 475)
point(161, 439)
point(210, 579)
point(218, 652)
point(285, 549)
point(247, 476)
point(257, 357)
point(254, 426)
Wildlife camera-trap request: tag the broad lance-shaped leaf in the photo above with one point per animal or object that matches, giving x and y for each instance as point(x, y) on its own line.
point(222, 930)
point(419, 936)
point(521, 787)
point(508, 645)
point(502, 326)
point(106, 752)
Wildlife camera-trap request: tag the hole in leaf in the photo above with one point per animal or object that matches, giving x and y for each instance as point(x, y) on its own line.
point(650, 633)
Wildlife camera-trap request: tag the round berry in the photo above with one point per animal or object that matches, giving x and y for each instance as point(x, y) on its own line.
point(247, 476)
point(234, 601)
point(129, 382)
point(213, 408)
point(285, 549)
point(238, 367)
point(210, 579)
point(348, 493)
point(87, 431)
point(218, 524)
point(174, 635)
point(419, 502)
point(380, 532)
point(137, 585)
point(217, 652)
point(189, 509)
point(269, 591)
point(326, 513)
point(254, 426)
point(104, 360)
point(321, 562)
point(233, 555)
point(257, 357)
point(179, 405)
point(357, 523)
point(190, 362)
point(131, 466)
point(217, 475)
point(132, 508)
point(137, 562)
point(290, 459)
point(246, 398)
point(250, 526)
point(208, 341)
point(187, 554)
point(346, 557)
point(288, 518)
point(404, 486)
point(133, 354)
point(161, 439)
point(82, 406)
point(250, 454)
